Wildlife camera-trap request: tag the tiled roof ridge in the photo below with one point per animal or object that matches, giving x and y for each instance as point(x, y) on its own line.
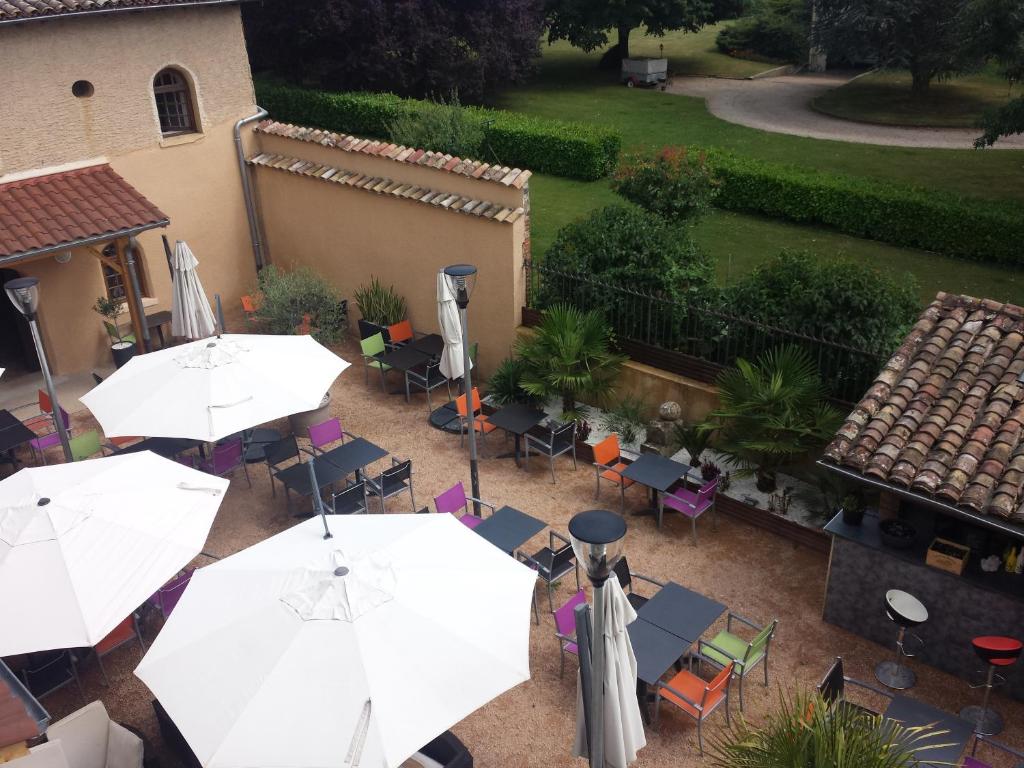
point(945, 416)
point(30, 181)
point(26, 10)
point(474, 169)
point(384, 186)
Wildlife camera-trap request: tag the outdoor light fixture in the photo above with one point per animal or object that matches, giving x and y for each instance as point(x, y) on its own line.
point(462, 280)
point(24, 295)
point(597, 540)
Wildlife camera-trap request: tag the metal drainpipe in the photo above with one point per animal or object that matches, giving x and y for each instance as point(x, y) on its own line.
point(250, 204)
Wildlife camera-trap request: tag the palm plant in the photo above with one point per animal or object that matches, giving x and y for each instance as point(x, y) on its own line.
point(692, 437)
point(807, 732)
point(505, 384)
point(569, 355)
point(771, 413)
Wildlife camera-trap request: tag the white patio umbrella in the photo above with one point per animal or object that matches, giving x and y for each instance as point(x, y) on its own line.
point(208, 389)
point(452, 364)
point(82, 545)
point(191, 315)
point(351, 651)
point(623, 723)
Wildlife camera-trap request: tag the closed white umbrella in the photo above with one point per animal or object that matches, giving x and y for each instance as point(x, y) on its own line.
point(191, 316)
point(351, 651)
point(452, 364)
point(82, 545)
point(208, 389)
point(623, 723)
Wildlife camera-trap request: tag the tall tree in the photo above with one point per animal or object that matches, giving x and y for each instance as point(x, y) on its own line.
point(997, 28)
point(922, 36)
point(420, 48)
point(586, 23)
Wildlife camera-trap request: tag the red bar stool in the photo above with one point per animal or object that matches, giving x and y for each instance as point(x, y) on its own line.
point(906, 611)
point(996, 652)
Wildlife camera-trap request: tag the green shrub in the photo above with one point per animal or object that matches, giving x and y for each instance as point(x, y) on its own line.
point(676, 185)
point(504, 386)
point(901, 215)
point(629, 418)
point(447, 127)
point(287, 296)
point(775, 29)
point(572, 150)
point(379, 304)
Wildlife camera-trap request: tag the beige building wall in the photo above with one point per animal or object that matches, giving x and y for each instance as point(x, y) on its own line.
point(349, 235)
point(43, 125)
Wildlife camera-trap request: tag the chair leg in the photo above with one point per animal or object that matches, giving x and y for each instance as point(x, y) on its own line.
point(561, 659)
point(406, 386)
point(552, 459)
point(103, 672)
point(383, 381)
point(245, 468)
point(700, 736)
point(412, 498)
point(693, 523)
point(597, 492)
point(622, 498)
point(574, 455)
point(536, 613)
point(661, 511)
point(551, 589)
point(765, 663)
point(741, 692)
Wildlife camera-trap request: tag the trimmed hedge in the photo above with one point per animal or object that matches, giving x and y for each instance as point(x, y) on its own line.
point(572, 150)
point(901, 215)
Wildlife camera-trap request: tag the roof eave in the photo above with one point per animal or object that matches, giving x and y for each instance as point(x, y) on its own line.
point(13, 258)
point(126, 9)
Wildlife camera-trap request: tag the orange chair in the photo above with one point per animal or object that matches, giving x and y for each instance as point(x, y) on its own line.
point(125, 632)
point(400, 334)
point(696, 697)
point(305, 328)
point(42, 423)
point(608, 464)
point(249, 307)
point(480, 422)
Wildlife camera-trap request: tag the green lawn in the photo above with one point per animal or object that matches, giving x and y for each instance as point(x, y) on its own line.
point(885, 97)
point(739, 242)
point(688, 54)
point(570, 87)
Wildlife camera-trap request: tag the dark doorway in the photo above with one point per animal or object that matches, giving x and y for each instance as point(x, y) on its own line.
point(17, 352)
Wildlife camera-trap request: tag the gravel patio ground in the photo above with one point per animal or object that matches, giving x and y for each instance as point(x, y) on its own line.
point(753, 572)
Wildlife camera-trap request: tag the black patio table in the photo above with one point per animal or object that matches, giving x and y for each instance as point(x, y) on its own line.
point(432, 344)
point(8, 419)
point(13, 434)
point(296, 478)
point(912, 713)
point(354, 455)
point(681, 611)
point(656, 472)
point(508, 528)
point(402, 359)
point(656, 651)
point(517, 419)
point(168, 447)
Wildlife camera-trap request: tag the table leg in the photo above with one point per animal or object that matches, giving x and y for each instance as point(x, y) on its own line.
point(651, 510)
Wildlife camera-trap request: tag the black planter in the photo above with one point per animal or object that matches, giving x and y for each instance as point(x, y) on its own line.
point(853, 515)
point(123, 351)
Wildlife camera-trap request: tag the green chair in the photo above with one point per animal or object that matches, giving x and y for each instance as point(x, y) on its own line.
point(727, 647)
point(85, 445)
point(112, 333)
point(371, 346)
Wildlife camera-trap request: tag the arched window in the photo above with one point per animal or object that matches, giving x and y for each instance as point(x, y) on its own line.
point(173, 102)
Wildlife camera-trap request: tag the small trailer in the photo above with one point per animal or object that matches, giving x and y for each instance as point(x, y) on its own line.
point(644, 71)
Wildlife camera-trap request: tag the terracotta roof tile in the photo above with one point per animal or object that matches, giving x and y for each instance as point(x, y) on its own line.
point(945, 416)
point(508, 177)
point(64, 208)
point(24, 10)
point(380, 185)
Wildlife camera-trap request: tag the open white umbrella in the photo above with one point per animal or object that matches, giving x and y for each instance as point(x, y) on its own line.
point(623, 723)
point(82, 545)
point(452, 364)
point(208, 389)
point(351, 651)
point(191, 316)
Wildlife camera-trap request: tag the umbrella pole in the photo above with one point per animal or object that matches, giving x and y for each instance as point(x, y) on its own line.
point(597, 680)
point(583, 640)
point(318, 503)
point(220, 315)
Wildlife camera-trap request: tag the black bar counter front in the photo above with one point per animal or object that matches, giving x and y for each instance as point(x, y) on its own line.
point(960, 608)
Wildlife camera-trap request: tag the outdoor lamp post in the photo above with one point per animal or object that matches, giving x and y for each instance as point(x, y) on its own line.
point(24, 295)
point(462, 281)
point(597, 540)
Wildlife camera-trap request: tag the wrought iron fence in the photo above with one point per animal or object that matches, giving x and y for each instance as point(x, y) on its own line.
point(696, 330)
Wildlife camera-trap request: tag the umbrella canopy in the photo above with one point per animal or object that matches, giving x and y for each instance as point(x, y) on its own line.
point(623, 723)
point(82, 545)
point(350, 651)
point(208, 389)
point(452, 364)
point(191, 316)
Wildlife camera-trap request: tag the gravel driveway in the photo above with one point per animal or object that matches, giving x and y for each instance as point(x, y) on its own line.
point(782, 105)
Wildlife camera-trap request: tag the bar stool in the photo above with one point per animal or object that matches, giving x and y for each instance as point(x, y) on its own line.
point(996, 652)
point(906, 611)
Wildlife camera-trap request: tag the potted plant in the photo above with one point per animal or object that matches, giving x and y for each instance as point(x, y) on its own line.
point(693, 438)
point(852, 506)
point(123, 349)
point(380, 308)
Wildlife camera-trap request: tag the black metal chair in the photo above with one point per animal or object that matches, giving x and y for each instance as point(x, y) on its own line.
point(276, 454)
point(626, 576)
point(833, 689)
point(448, 752)
point(392, 482)
point(50, 671)
point(553, 562)
point(351, 500)
point(173, 739)
point(557, 439)
point(427, 377)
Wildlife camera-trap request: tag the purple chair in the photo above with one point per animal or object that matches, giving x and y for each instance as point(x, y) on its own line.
point(227, 457)
point(690, 503)
point(165, 598)
point(325, 433)
point(456, 502)
point(565, 628)
point(40, 444)
point(187, 459)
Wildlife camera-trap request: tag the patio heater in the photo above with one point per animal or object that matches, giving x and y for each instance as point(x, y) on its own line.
point(597, 540)
point(24, 295)
point(462, 281)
